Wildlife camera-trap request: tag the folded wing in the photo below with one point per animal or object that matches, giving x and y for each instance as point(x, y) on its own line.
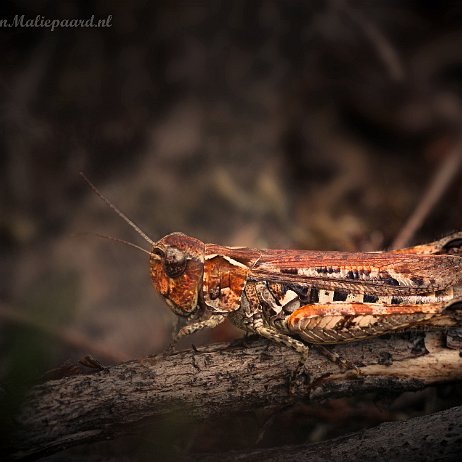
point(378, 273)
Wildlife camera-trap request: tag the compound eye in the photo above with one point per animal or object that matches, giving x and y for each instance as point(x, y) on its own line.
point(174, 262)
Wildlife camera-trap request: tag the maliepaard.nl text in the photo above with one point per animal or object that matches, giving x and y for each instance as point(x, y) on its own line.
point(43, 22)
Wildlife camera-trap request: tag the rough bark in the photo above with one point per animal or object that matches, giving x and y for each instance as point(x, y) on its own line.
point(217, 379)
point(434, 437)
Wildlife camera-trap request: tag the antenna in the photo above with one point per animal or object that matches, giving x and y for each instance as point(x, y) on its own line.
point(112, 238)
point(121, 214)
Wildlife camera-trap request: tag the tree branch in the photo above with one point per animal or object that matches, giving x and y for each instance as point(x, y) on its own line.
point(431, 437)
point(217, 379)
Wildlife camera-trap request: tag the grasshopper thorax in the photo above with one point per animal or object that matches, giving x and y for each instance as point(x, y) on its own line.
point(177, 267)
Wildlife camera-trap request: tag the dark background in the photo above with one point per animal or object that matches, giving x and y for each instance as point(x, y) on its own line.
point(270, 124)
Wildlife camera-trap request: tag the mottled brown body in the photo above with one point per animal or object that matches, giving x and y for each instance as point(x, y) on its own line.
point(319, 297)
point(292, 296)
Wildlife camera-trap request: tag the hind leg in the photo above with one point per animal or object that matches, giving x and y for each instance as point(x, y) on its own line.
point(448, 245)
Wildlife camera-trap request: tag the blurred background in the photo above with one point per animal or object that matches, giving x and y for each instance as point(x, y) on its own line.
point(317, 125)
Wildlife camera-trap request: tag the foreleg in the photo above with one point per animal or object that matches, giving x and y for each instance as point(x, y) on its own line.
point(189, 329)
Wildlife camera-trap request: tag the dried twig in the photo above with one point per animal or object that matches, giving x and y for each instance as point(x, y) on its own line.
point(438, 185)
point(385, 50)
point(216, 380)
point(431, 437)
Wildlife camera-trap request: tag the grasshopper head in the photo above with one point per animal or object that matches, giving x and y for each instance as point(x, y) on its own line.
point(177, 265)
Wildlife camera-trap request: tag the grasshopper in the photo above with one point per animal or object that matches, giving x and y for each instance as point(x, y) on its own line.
point(302, 297)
